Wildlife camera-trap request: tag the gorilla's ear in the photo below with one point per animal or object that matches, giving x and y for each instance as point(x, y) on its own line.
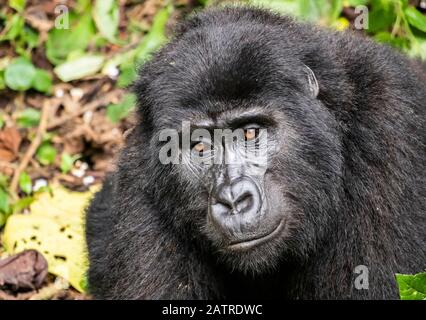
point(312, 81)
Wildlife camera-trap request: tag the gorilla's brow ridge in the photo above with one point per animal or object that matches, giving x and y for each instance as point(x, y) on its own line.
point(233, 119)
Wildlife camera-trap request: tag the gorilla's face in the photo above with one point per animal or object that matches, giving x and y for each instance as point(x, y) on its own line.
point(249, 158)
point(228, 159)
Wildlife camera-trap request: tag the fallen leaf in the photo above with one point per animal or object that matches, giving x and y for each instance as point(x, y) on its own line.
point(10, 140)
point(55, 227)
point(80, 67)
point(25, 270)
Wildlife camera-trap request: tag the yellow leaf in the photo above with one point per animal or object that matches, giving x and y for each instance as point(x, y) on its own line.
point(341, 24)
point(55, 228)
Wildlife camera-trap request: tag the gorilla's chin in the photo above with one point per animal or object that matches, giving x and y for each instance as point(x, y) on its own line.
point(255, 259)
point(255, 253)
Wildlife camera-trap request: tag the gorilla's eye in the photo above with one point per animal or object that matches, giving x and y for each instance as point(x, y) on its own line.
point(250, 134)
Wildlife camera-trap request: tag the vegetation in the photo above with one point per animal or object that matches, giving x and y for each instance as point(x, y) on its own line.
point(64, 69)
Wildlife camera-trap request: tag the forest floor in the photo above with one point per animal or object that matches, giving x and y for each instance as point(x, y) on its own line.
point(67, 138)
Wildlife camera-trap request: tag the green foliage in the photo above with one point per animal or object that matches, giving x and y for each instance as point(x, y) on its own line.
point(25, 183)
point(80, 67)
point(19, 74)
point(415, 18)
point(116, 112)
point(66, 48)
point(395, 22)
point(5, 208)
point(67, 162)
point(412, 287)
point(149, 44)
point(18, 5)
point(8, 206)
point(29, 118)
point(46, 153)
point(62, 42)
point(106, 16)
point(42, 81)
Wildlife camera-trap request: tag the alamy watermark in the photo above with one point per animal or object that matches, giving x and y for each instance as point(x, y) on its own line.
point(361, 281)
point(216, 146)
point(62, 20)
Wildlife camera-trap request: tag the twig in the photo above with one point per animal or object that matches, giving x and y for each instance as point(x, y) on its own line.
point(88, 107)
point(32, 149)
point(47, 293)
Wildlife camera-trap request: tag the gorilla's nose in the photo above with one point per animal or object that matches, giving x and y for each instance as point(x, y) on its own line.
point(240, 197)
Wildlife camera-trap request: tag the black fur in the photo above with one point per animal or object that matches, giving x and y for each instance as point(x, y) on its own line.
point(352, 171)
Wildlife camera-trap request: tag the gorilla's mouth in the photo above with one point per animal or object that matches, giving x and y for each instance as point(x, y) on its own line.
point(257, 240)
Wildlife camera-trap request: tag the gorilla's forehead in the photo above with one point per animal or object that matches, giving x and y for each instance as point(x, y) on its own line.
point(223, 64)
point(212, 70)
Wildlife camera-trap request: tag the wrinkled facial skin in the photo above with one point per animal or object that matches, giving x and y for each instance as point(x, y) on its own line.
point(246, 195)
point(232, 169)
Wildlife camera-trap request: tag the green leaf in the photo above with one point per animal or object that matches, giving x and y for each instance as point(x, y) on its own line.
point(381, 17)
point(2, 82)
point(46, 154)
point(355, 3)
point(80, 67)
point(18, 5)
point(4, 202)
point(106, 16)
point(415, 18)
point(20, 74)
point(2, 219)
point(29, 118)
point(61, 42)
point(412, 287)
point(418, 48)
point(312, 10)
point(82, 5)
point(22, 204)
point(336, 10)
point(4, 181)
point(25, 183)
point(42, 81)
point(1, 121)
point(386, 37)
point(155, 38)
point(13, 28)
point(127, 75)
point(116, 112)
point(67, 162)
point(289, 7)
point(119, 59)
point(29, 37)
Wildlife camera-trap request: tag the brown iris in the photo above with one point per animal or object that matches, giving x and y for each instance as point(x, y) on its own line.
point(250, 134)
point(199, 147)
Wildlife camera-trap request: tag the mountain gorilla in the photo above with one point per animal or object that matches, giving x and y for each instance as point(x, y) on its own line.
point(334, 207)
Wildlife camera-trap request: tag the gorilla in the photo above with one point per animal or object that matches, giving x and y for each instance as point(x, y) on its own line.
point(271, 159)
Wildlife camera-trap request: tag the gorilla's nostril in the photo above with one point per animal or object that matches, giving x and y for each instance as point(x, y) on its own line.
point(223, 204)
point(244, 203)
point(240, 197)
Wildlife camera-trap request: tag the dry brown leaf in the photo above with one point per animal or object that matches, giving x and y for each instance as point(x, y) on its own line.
point(25, 270)
point(10, 140)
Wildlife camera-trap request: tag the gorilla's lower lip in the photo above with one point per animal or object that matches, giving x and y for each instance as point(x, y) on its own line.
point(250, 243)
